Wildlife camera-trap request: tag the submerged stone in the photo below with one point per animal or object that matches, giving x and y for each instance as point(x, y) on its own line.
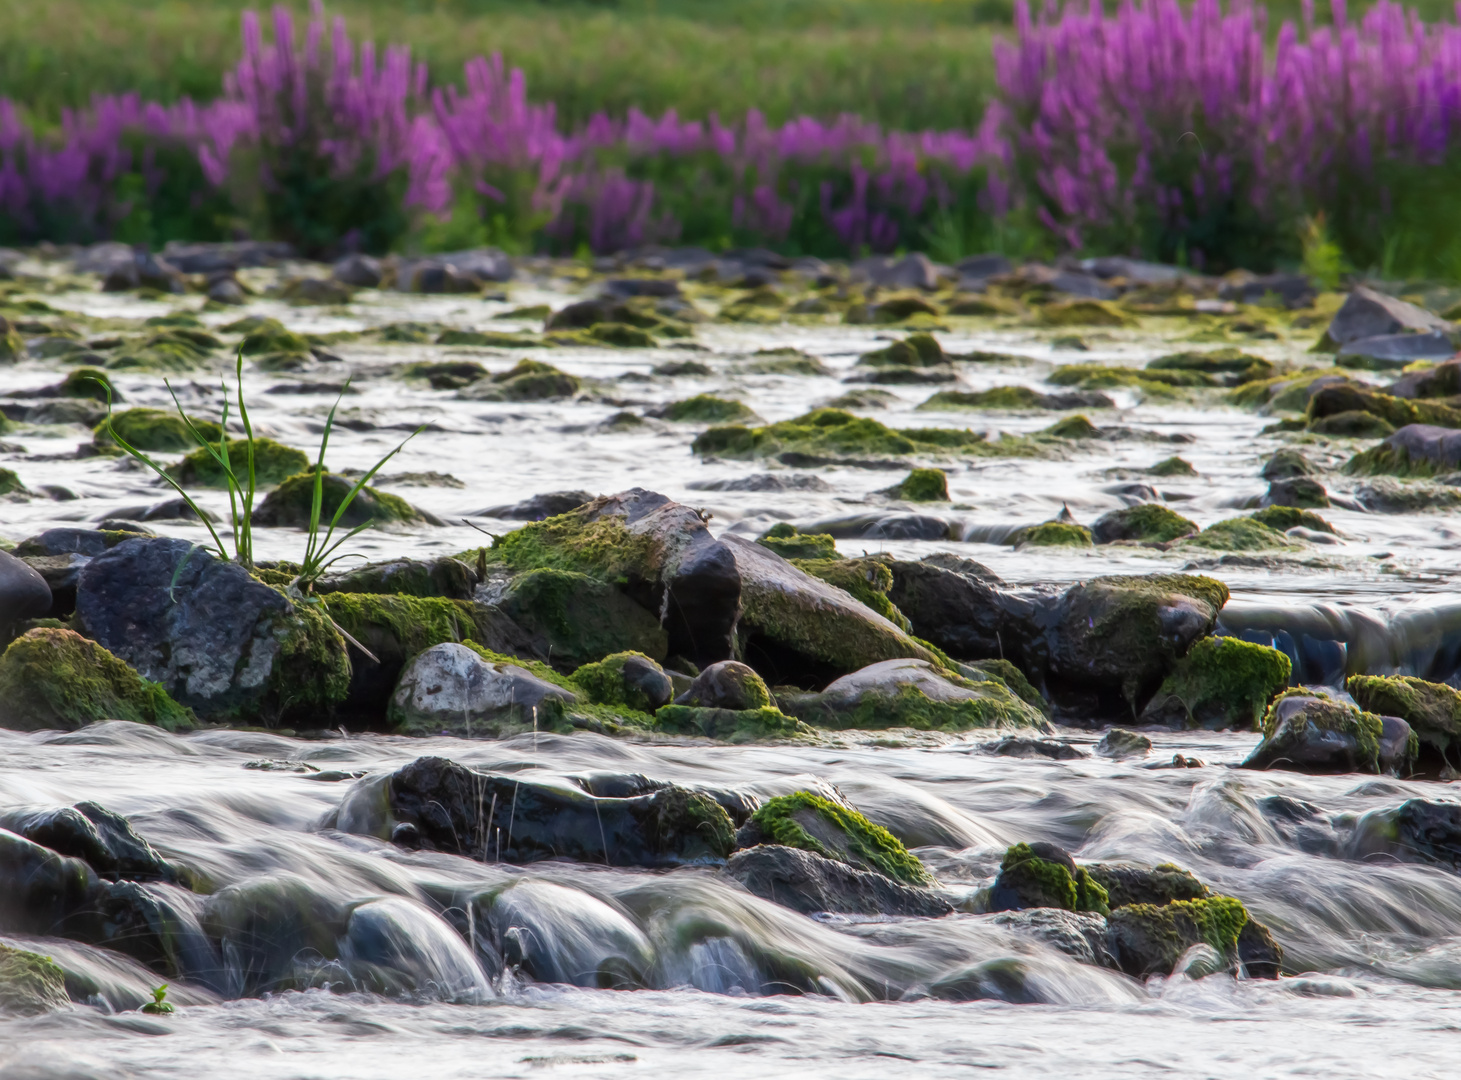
point(808, 882)
point(30, 983)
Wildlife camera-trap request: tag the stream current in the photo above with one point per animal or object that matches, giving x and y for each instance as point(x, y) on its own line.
point(731, 985)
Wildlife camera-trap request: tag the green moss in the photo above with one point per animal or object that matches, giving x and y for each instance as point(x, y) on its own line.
point(1172, 929)
point(797, 363)
point(1398, 412)
point(1284, 518)
point(916, 350)
point(1172, 466)
point(273, 338)
point(1084, 313)
point(603, 682)
point(1240, 534)
point(867, 580)
point(58, 679)
point(730, 725)
point(1101, 377)
point(604, 549)
point(1162, 884)
point(407, 333)
point(783, 539)
point(1013, 678)
point(1224, 681)
point(620, 335)
point(924, 485)
point(12, 345)
point(415, 623)
point(88, 383)
point(1216, 362)
point(273, 462)
point(30, 983)
point(446, 374)
point(582, 618)
point(10, 483)
point(1328, 715)
point(288, 505)
point(1148, 522)
point(706, 409)
point(999, 397)
point(1054, 534)
point(1383, 460)
point(312, 671)
point(1071, 427)
point(527, 380)
point(1041, 883)
point(1433, 710)
point(533, 312)
point(810, 822)
point(834, 435)
point(1354, 424)
point(155, 430)
point(993, 705)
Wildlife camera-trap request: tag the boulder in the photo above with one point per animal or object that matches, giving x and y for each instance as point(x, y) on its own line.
point(913, 693)
point(53, 679)
point(1433, 710)
point(142, 271)
point(1126, 883)
point(1119, 743)
point(1415, 449)
point(1441, 381)
point(814, 823)
point(30, 983)
point(1081, 935)
point(1395, 351)
point(1222, 683)
point(882, 525)
point(807, 882)
point(1366, 313)
point(1287, 464)
point(1042, 875)
point(1146, 522)
point(1303, 492)
point(1430, 830)
point(442, 576)
point(1307, 732)
point(359, 271)
point(208, 258)
point(443, 806)
point(727, 685)
point(24, 594)
point(915, 271)
point(452, 688)
point(1149, 939)
point(627, 679)
point(289, 505)
point(576, 619)
point(484, 264)
point(958, 606)
point(105, 841)
point(1291, 290)
point(215, 638)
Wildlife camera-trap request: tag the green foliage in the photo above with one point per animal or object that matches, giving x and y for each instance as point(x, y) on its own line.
point(53, 678)
point(1323, 261)
point(159, 1005)
point(841, 833)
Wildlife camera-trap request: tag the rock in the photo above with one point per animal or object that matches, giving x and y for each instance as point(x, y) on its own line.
point(1019, 747)
point(484, 264)
point(1292, 290)
point(1114, 639)
point(209, 258)
point(727, 685)
point(30, 983)
point(1126, 883)
point(1222, 683)
point(807, 882)
point(538, 507)
point(359, 271)
point(764, 482)
point(915, 271)
point(24, 594)
point(142, 271)
point(1303, 492)
point(913, 693)
point(811, 822)
point(289, 505)
point(507, 818)
point(1441, 381)
point(1394, 351)
point(215, 638)
point(156, 429)
point(39, 889)
point(882, 525)
point(452, 688)
point(12, 345)
point(959, 609)
point(103, 840)
point(434, 276)
point(1306, 732)
point(1367, 314)
point(1287, 464)
point(1430, 830)
point(1147, 939)
point(527, 380)
point(1081, 935)
point(729, 725)
point(784, 539)
point(442, 576)
point(312, 290)
point(1119, 743)
point(577, 619)
point(273, 464)
point(1386, 496)
point(227, 290)
point(1433, 710)
point(52, 679)
point(656, 287)
point(1414, 450)
point(627, 679)
point(1043, 875)
point(1146, 522)
point(982, 266)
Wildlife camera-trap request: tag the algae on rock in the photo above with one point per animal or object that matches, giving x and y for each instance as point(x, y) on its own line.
point(1433, 710)
point(289, 504)
point(1222, 682)
point(813, 823)
point(1044, 876)
point(30, 983)
point(273, 463)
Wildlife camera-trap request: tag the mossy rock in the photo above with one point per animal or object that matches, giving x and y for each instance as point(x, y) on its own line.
point(581, 618)
point(784, 539)
point(1352, 425)
point(10, 483)
point(866, 398)
point(1161, 384)
point(30, 983)
point(527, 380)
point(1216, 362)
point(272, 337)
point(603, 548)
point(288, 505)
point(1172, 466)
point(1054, 534)
point(795, 363)
point(273, 463)
point(1012, 677)
point(812, 823)
point(156, 430)
point(396, 626)
point(406, 333)
point(1398, 412)
point(1222, 683)
point(1240, 534)
point(1041, 875)
point(1320, 734)
point(629, 679)
point(1071, 427)
point(900, 307)
point(1146, 522)
point(620, 336)
point(998, 397)
point(706, 409)
point(923, 485)
point(57, 679)
point(1084, 313)
point(1284, 518)
point(1150, 939)
point(1162, 884)
point(1433, 710)
point(88, 383)
point(730, 725)
point(1385, 460)
point(867, 580)
point(916, 350)
point(832, 435)
point(447, 374)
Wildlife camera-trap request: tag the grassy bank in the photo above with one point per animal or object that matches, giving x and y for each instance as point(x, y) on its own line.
point(909, 64)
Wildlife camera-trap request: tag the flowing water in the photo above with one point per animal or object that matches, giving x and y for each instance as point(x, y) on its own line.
point(724, 984)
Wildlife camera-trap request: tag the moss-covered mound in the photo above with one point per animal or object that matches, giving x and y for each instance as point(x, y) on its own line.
point(1216, 362)
point(706, 409)
point(1172, 466)
point(730, 725)
point(447, 374)
point(1386, 460)
point(1053, 534)
point(11, 484)
point(90, 384)
point(30, 983)
point(833, 435)
point(1101, 377)
point(628, 679)
point(867, 579)
point(1072, 427)
point(1222, 682)
point(923, 485)
point(998, 397)
point(1150, 939)
point(12, 345)
point(620, 335)
point(1026, 880)
point(527, 380)
point(784, 539)
point(916, 350)
point(1284, 518)
point(819, 825)
point(581, 618)
point(1084, 313)
point(1352, 425)
point(1319, 734)
point(784, 361)
point(288, 505)
point(1398, 412)
point(1147, 522)
point(57, 679)
point(155, 430)
point(270, 336)
point(1433, 710)
point(1240, 534)
point(273, 463)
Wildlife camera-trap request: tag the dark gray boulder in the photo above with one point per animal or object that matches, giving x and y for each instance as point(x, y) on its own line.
point(24, 593)
point(1439, 446)
point(539, 507)
point(1317, 734)
point(1430, 830)
point(1367, 313)
point(360, 271)
point(808, 883)
point(727, 685)
point(1395, 351)
point(103, 840)
point(1081, 935)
